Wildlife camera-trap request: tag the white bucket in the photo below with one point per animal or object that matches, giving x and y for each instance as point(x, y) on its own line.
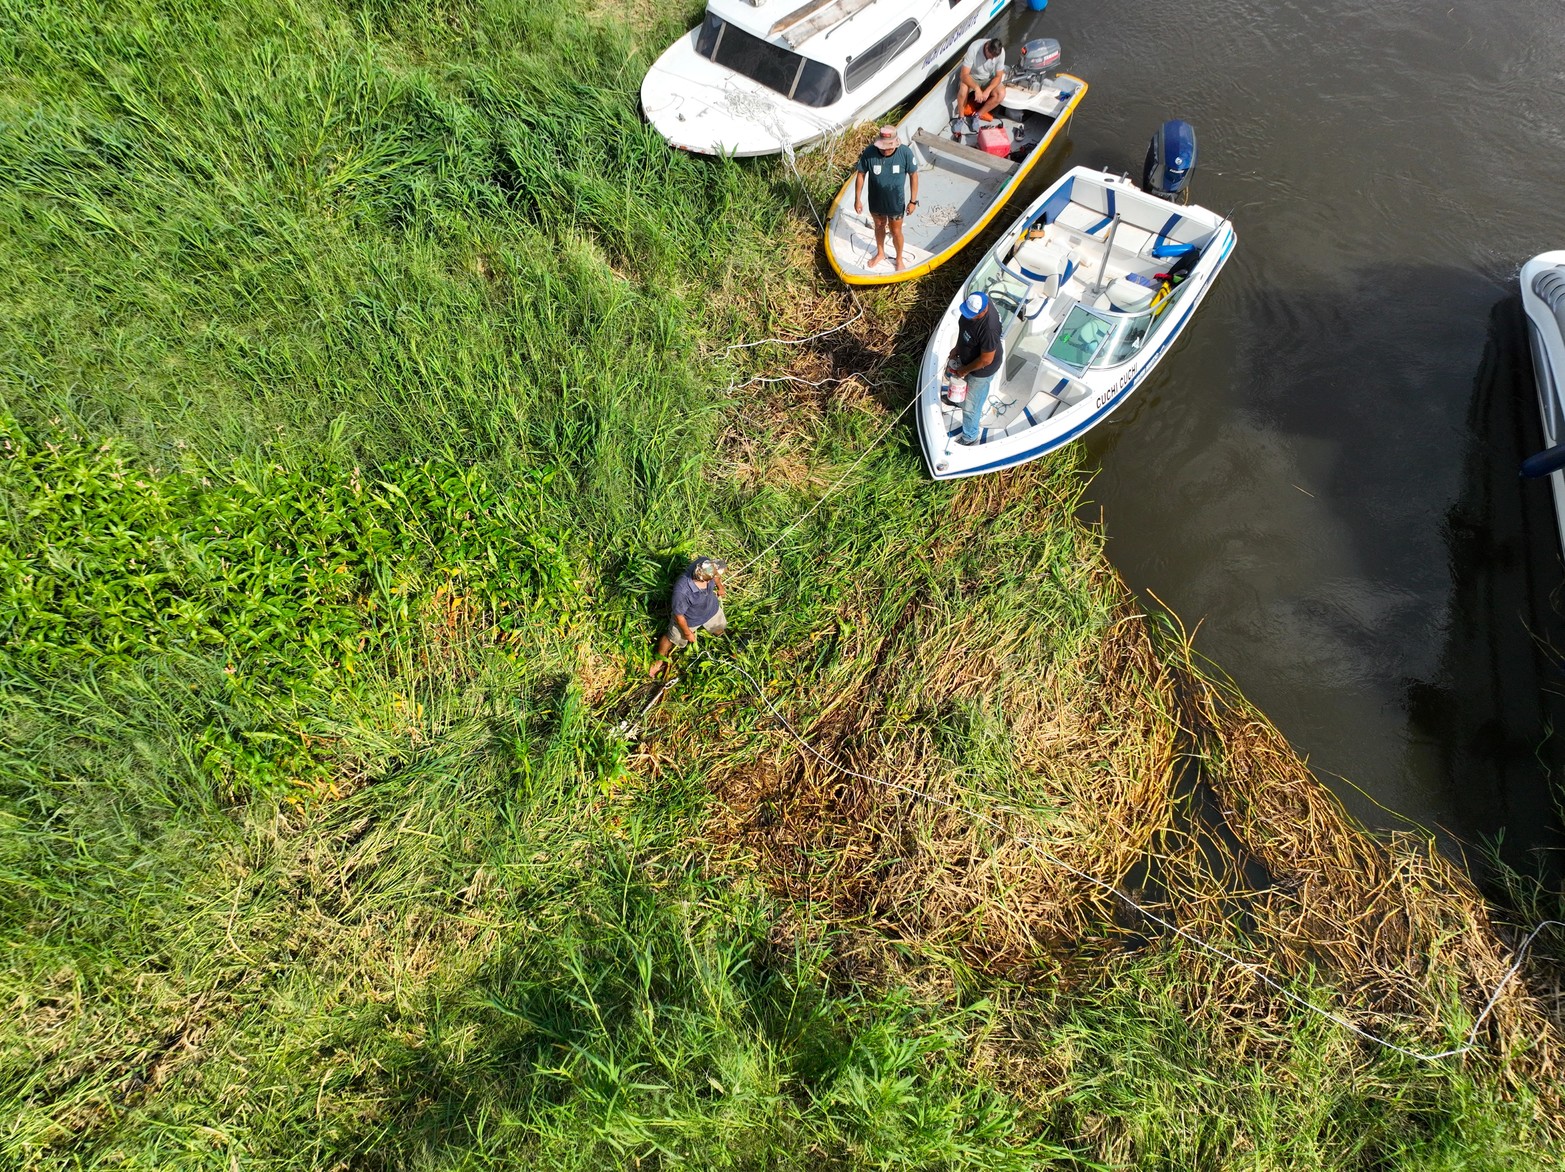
point(955, 390)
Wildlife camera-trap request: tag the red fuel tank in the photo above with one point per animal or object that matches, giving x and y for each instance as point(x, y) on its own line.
point(995, 140)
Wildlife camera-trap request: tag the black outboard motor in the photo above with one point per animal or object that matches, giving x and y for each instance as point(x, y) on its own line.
point(1040, 55)
point(1039, 60)
point(1170, 161)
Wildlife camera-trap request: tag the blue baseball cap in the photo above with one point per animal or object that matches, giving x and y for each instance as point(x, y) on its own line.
point(975, 304)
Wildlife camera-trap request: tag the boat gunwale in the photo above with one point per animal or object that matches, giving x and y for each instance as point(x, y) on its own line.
point(1539, 324)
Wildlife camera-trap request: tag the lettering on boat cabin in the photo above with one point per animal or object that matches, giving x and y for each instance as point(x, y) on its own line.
point(949, 40)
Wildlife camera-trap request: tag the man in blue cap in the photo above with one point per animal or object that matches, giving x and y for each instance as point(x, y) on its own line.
point(976, 357)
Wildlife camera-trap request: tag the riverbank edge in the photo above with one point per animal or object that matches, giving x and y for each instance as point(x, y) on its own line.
point(190, 956)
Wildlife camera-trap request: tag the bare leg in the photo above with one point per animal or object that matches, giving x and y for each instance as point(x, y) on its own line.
point(991, 101)
point(880, 242)
point(660, 659)
point(896, 238)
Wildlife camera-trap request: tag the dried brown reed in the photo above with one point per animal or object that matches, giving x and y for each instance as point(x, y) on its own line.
point(1400, 933)
point(1098, 787)
point(1401, 930)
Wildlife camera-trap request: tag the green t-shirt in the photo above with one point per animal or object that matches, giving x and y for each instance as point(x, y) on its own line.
point(887, 175)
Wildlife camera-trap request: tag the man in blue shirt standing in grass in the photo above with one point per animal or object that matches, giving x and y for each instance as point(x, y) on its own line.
point(697, 605)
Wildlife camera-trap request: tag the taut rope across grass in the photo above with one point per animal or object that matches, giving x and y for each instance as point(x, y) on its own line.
point(884, 432)
point(834, 489)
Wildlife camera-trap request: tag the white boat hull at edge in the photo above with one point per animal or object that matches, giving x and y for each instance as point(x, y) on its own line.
point(706, 108)
point(1546, 338)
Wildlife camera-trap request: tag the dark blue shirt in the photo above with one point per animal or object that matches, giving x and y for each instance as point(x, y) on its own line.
point(692, 601)
point(887, 174)
point(979, 335)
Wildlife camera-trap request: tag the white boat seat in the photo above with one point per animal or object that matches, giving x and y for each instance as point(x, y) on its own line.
point(1045, 401)
point(1043, 262)
point(1081, 220)
point(1132, 240)
point(1130, 296)
point(1081, 225)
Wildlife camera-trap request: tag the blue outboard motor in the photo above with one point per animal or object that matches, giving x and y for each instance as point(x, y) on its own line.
point(1170, 160)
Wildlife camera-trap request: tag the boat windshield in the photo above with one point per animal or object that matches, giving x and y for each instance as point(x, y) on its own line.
point(1007, 288)
point(1084, 335)
point(1093, 337)
point(788, 73)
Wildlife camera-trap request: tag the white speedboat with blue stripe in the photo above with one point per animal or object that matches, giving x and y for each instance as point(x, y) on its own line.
point(1093, 283)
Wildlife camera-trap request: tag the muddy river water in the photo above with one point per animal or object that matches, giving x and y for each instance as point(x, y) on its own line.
point(1322, 474)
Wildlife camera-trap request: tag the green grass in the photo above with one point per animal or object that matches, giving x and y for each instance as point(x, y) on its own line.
point(360, 388)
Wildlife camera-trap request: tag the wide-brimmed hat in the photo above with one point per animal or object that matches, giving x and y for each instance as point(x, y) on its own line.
point(887, 137)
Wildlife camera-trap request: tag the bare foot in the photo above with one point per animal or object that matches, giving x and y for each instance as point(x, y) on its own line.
point(900, 263)
point(879, 256)
point(658, 668)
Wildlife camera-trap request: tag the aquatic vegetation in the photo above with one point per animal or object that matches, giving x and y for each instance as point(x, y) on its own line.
point(366, 376)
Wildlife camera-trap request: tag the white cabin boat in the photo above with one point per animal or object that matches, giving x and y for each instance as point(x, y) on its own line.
point(1085, 315)
point(961, 187)
point(757, 77)
point(1543, 299)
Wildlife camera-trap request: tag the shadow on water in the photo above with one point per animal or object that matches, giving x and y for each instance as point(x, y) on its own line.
point(1313, 477)
point(1499, 697)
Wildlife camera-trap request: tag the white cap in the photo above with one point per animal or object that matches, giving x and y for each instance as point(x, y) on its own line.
point(975, 304)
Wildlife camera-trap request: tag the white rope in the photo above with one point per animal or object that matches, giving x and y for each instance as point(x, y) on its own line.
point(788, 155)
point(761, 111)
point(1253, 969)
point(834, 489)
point(805, 382)
point(796, 341)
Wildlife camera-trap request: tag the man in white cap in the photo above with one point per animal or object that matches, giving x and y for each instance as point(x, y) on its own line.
point(976, 357)
point(697, 605)
point(890, 167)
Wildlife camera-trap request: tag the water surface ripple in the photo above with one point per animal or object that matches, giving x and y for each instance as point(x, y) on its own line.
point(1322, 474)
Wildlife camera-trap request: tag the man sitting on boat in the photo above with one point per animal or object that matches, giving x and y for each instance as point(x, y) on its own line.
point(976, 357)
point(889, 165)
point(982, 83)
